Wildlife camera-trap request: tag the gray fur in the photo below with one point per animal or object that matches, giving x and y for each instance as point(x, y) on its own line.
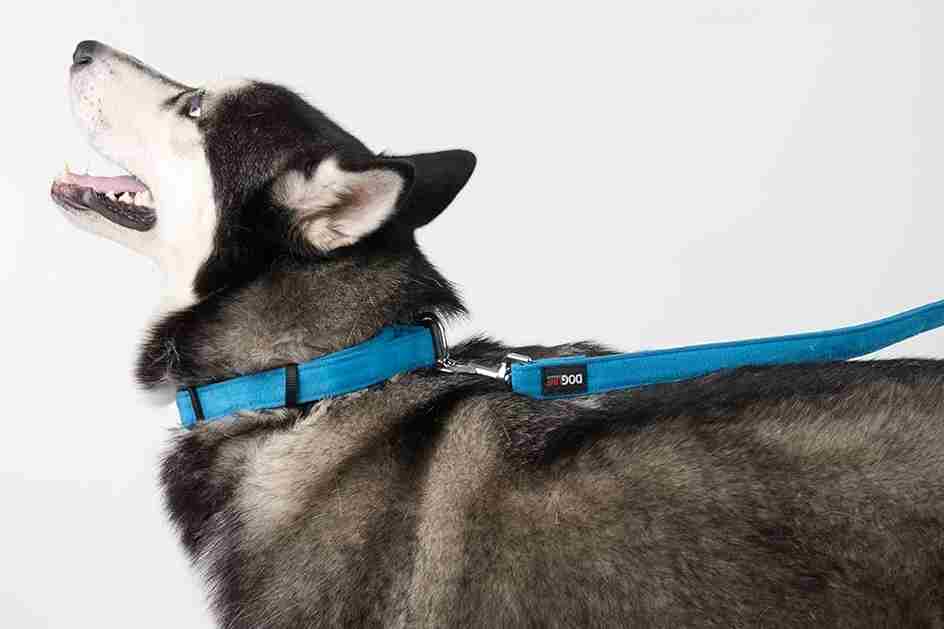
point(787, 496)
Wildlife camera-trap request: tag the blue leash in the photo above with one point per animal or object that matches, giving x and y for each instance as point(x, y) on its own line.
point(538, 378)
point(399, 349)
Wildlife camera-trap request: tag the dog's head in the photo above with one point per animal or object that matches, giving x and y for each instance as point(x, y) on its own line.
point(227, 177)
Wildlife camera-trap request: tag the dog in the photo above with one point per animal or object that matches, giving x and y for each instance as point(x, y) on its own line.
point(785, 496)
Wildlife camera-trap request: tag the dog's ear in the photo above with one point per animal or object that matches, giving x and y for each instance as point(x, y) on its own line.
point(437, 179)
point(337, 204)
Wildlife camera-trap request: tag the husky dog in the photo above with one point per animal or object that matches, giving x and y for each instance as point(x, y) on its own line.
point(771, 497)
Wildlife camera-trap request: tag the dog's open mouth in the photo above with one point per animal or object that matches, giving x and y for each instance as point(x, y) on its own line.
point(123, 200)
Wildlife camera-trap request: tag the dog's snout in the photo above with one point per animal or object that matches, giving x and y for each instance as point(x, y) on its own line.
point(85, 52)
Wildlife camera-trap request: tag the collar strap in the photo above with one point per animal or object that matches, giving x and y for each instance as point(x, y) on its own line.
point(396, 349)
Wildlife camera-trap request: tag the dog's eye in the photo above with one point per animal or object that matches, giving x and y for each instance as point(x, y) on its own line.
point(195, 105)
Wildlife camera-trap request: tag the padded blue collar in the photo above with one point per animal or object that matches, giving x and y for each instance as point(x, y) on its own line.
point(398, 349)
point(394, 350)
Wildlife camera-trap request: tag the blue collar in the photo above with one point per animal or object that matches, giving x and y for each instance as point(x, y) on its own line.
point(399, 349)
point(394, 350)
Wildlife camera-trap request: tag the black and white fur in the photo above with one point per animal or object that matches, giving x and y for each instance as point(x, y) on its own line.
point(787, 496)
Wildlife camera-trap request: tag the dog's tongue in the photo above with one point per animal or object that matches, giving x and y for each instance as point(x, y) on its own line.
point(124, 183)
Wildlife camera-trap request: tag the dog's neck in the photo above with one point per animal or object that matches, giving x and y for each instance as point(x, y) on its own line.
point(292, 313)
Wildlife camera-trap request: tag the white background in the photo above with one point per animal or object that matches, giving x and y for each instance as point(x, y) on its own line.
point(650, 174)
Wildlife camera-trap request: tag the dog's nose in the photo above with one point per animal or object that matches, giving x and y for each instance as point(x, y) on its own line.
point(85, 52)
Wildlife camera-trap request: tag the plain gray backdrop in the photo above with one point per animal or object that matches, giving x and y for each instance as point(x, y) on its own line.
point(650, 174)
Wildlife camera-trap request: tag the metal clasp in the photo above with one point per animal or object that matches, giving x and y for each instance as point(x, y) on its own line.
point(447, 364)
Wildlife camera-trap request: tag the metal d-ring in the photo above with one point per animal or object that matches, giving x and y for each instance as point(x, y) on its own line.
point(447, 365)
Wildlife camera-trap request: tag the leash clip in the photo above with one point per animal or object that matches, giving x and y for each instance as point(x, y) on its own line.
point(446, 364)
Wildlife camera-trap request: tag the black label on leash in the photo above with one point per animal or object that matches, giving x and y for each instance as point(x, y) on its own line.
point(564, 379)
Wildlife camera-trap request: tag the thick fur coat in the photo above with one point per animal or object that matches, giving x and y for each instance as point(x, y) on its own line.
point(790, 496)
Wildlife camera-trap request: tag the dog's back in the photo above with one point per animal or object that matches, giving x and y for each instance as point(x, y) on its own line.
point(785, 496)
